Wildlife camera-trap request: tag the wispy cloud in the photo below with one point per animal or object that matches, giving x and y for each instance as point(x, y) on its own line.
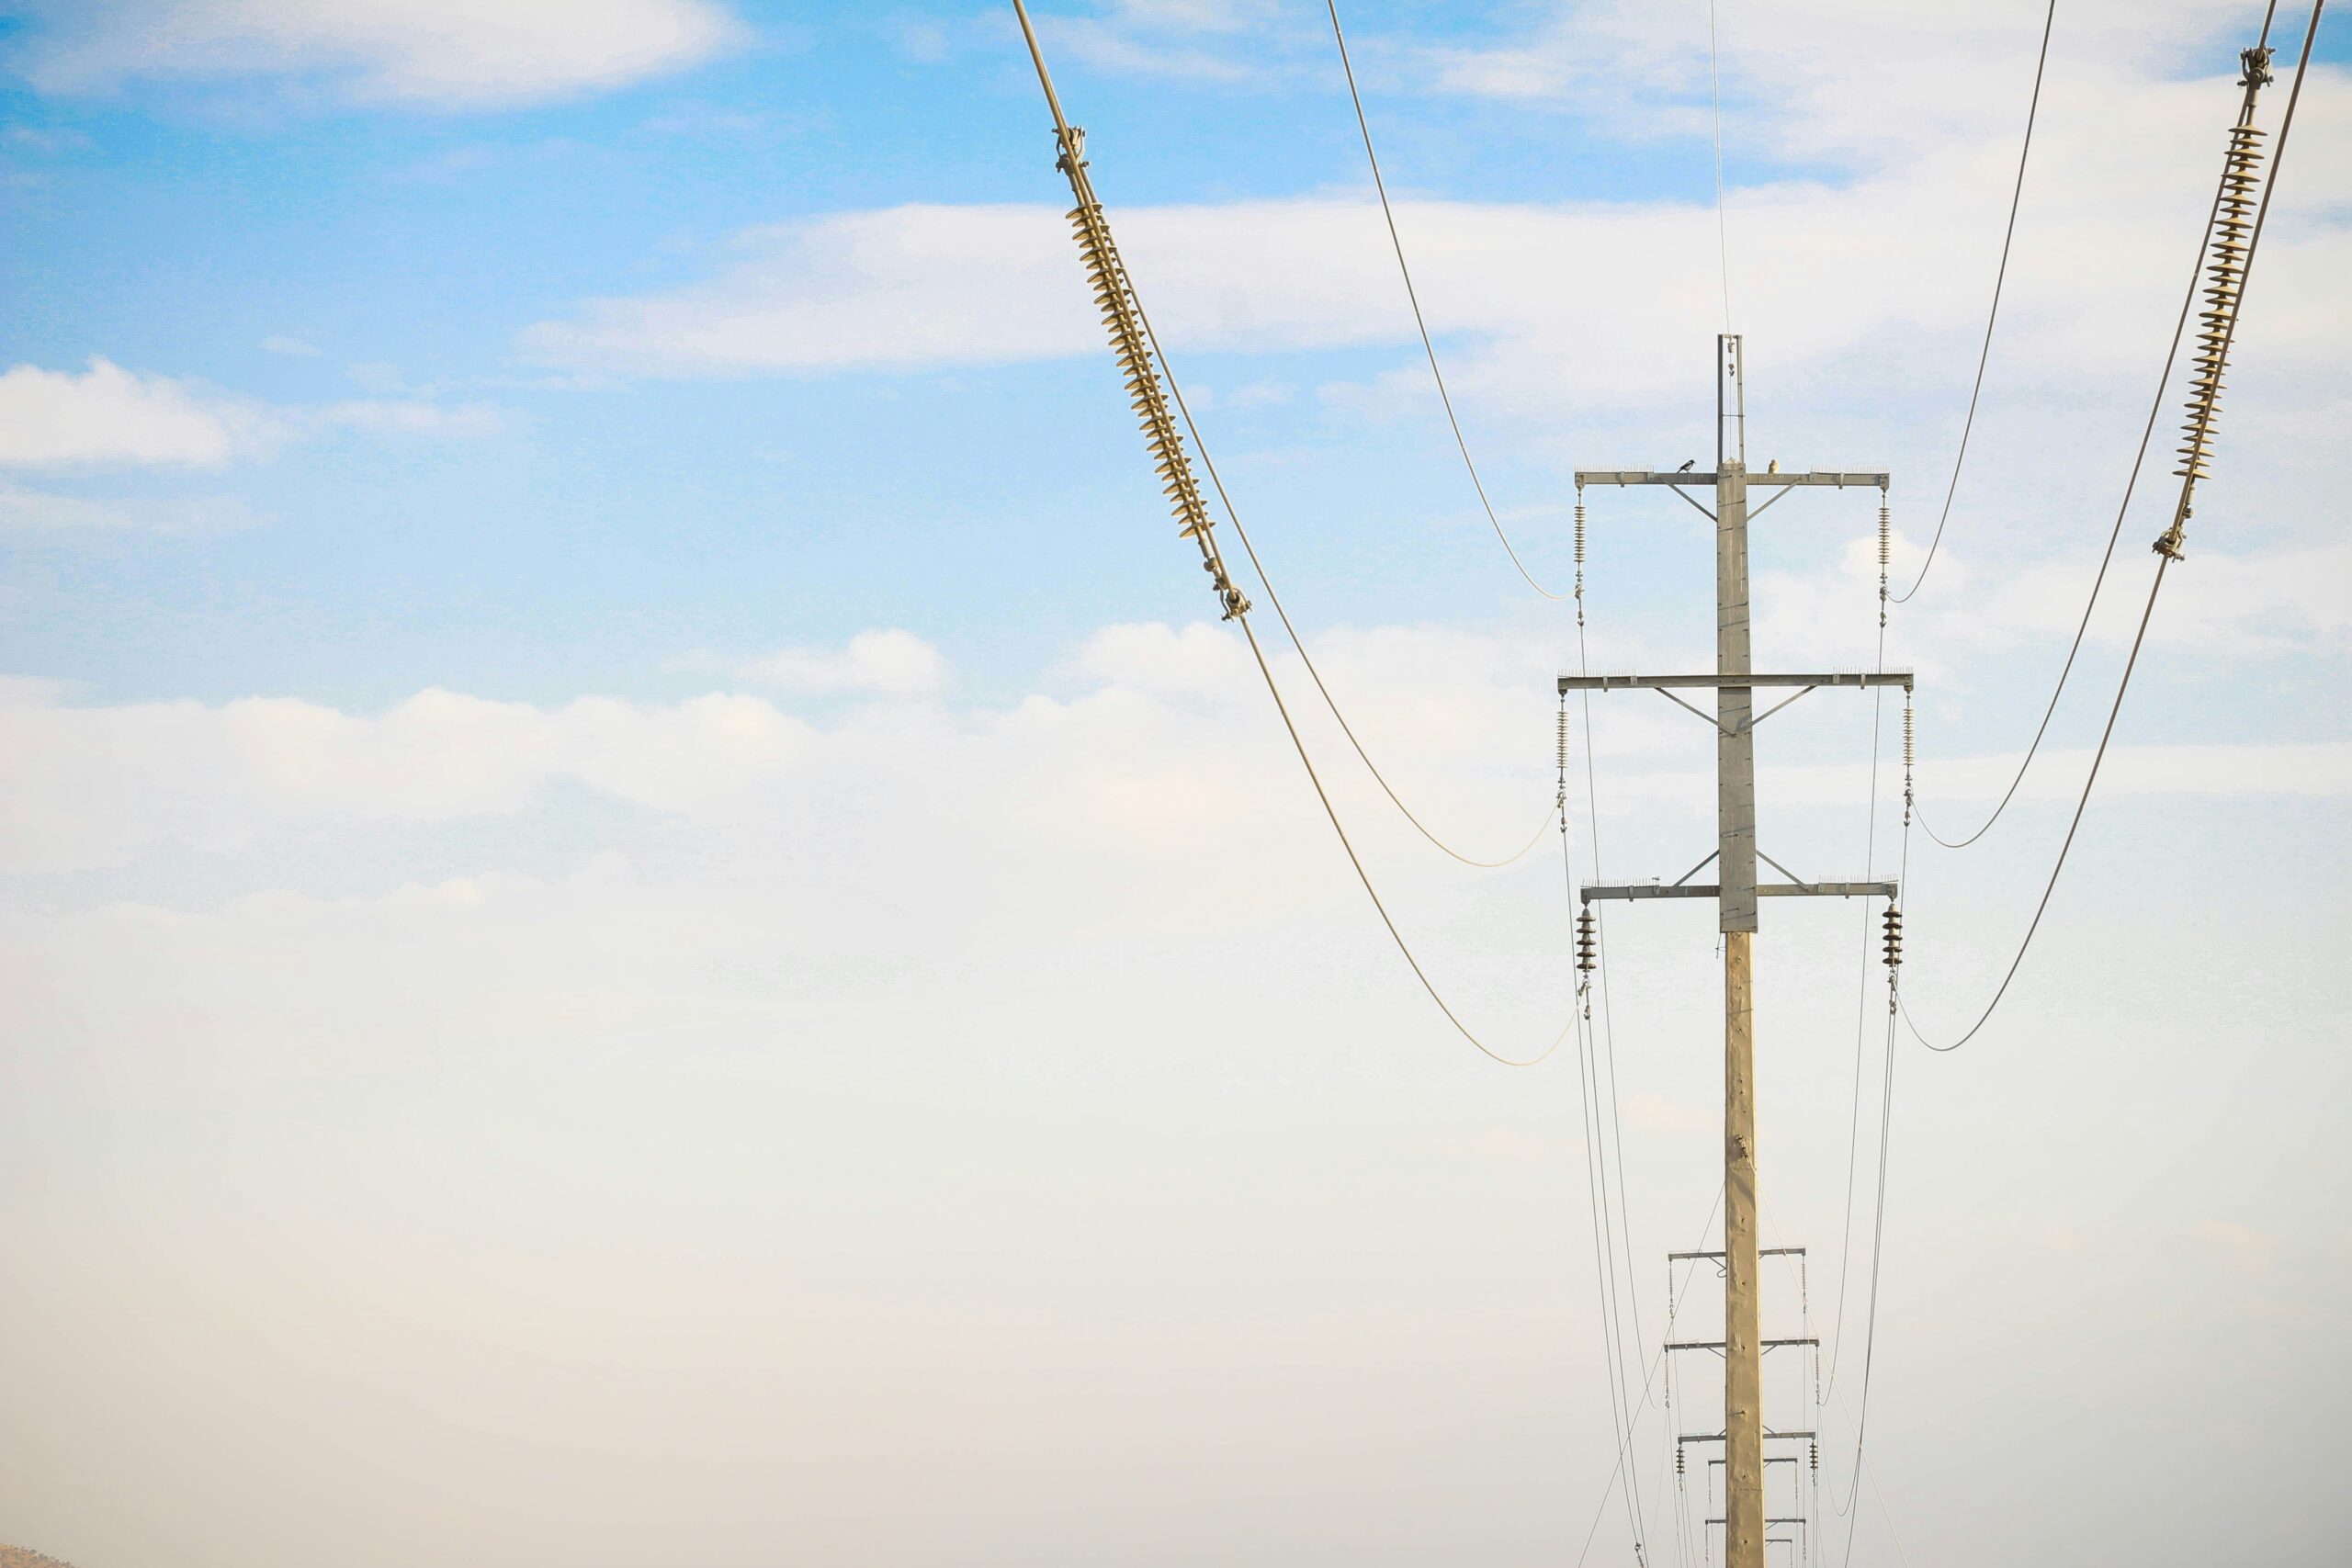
point(889, 664)
point(29, 510)
point(107, 416)
point(454, 53)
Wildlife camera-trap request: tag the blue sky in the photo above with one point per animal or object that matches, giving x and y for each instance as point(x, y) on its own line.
point(618, 790)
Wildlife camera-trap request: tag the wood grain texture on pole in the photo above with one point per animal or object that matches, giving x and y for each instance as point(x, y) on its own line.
point(1743, 1352)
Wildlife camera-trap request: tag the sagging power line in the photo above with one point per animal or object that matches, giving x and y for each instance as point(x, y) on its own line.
point(2234, 232)
point(1136, 348)
point(2234, 236)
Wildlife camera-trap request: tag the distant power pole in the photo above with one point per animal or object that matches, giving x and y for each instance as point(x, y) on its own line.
point(1736, 892)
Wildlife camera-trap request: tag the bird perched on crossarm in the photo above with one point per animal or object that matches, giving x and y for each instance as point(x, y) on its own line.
point(1688, 464)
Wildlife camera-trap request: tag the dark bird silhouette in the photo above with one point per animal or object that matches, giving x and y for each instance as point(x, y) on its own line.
point(1688, 464)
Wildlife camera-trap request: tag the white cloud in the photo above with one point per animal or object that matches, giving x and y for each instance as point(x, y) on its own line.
point(467, 53)
point(107, 416)
point(891, 663)
point(2242, 603)
point(93, 785)
point(1167, 745)
point(1555, 301)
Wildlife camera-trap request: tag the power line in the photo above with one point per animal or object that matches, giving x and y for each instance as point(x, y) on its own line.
point(1608, 1034)
point(1414, 298)
point(1648, 1378)
point(1267, 582)
point(2000, 277)
point(1316, 674)
point(1299, 744)
point(1622, 1412)
point(1137, 348)
point(2130, 485)
point(2229, 269)
point(1861, 999)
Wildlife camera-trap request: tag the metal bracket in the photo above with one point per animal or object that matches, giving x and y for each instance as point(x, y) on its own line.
point(1592, 890)
point(1707, 718)
point(1856, 678)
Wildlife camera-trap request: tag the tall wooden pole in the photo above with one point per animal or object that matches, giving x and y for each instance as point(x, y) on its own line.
point(1735, 680)
point(1735, 849)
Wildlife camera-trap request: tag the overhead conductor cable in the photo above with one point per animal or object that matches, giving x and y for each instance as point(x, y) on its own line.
point(1134, 344)
point(1413, 297)
point(2229, 263)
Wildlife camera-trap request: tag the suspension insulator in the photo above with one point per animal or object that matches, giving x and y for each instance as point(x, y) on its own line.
point(2236, 215)
point(1893, 937)
point(1564, 739)
point(1579, 527)
point(1677, 1458)
point(1815, 1446)
point(2224, 285)
point(1587, 947)
point(1131, 345)
point(1885, 549)
point(1910, 753)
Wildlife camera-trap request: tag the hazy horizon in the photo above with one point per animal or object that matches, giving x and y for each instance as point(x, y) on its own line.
point(646, 914)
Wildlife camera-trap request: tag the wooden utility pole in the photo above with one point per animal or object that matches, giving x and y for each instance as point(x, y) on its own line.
point(1736, 891)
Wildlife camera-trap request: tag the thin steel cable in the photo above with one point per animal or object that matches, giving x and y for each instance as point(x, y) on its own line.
point(1862, 1022)
point(1607, 1011)
point(2050, 887)
point(1622, 1415)
point(1267, 582)
point(1312, 777)
point(1723, 224)
point(2130, 485)
point(1647, 1378)
point(1604, 1254)
point(1413, 297)
point(1607, 1034)
point(2000, 277)
point(1298, 742)
point(1608, 1236)
point(2163, 560)
point(1291, 630)
point(1322, 688)
point(1878, 1245)
point(1138, 348)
